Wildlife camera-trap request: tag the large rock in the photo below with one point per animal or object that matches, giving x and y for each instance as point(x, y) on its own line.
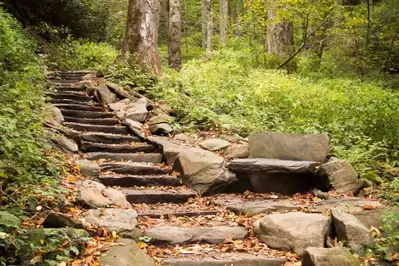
point(237, 151)
point(255, 165)
point(136, 111)
point(161, 124)
point(64, 144)
point(135, 126)
point(203, 171)
point(293, 231)
point(288, 146)
point(336, 256)
point(351, 231)
point(182, 236)
point(171, 148)
point(57, 115)
point(127, 254)
point(339, 175)
point(118, 90)
point(88, 168)
point(120, 105)
point(59, 220)
point(123, 222)
point(104, 96)
point(96, 195)
point(214, 144)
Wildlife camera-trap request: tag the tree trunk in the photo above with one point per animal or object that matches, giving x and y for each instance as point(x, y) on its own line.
point(209, 28)
point(203, 22)
point(174, 48)
point(141, 35)
point(280, 35)
point(223, 13)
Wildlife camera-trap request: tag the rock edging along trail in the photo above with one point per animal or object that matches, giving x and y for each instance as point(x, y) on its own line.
point(150, 189)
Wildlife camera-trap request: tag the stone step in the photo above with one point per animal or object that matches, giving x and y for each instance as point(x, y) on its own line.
point(68, 101)
point(139, 180)
point(135, 168)
point(93, 121)
point(173, 235)
point(83, 107)
point(117, 148)
point(63, 81)
point(108, 138)
point(79, 73)
point(181, 213)
point(86, 114)
point(223, 259)
point(134, 157)
point(72, 96)
point(152, 196)
point(66, 89)
point(98, 128)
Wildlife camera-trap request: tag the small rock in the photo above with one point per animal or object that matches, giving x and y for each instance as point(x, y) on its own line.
point(203, 171)
point(294, 231)
point(89, 76)
point(123, 222)
point(351, 231)
point(161, 129)
point(88, 168)
point(57, 115)
point(301, 147)
point(135, 127)
point(59, 220)
point(320, 194)
point(237, 151)
point(64, 144)
point(117, 106)
point(127, 254)
point(99, 197)
point(231, 138)
point(214, 144)
point(185, 137)
point(104, 96)
point(329, 257)
point(339, 175)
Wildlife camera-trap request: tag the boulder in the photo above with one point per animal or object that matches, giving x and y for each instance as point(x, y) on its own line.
point(57, 115)
point(122, 222)
point(66, 131)
point(294, 231)
point(161, 129)
point(214, 144)
point(340, 176)
point(255, 165)
point(289, 146)
point(104, 96)
point(135, 127)
point(88, 168)
point(203, 171)
point(89, 76)
point(59, 220)
point(136, 111)
point(182, 236)
point(96, 195)
point(351, 231)
point(126, 254)
point(118, 90)
point(120, 105)
point(237, 151)
point(329, 257)
point(63, 144)
point(171, 148)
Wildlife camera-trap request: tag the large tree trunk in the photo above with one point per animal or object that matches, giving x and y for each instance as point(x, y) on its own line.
point(209, 27)
point(223, 13)
point(203, 22)
point(174, 47)
point(141, 35)
point(280, 35)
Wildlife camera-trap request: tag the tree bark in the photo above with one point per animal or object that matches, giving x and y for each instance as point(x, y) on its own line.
point(141, 35)
point(203, 22)
point(174, 48)
point(209, 28)
point(280, 35)
point(223, 13)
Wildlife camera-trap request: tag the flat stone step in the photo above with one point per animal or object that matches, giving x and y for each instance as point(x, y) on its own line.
point(223, 259)
point(83, 107)
point(157, 196)
point(256, 165)
point(64, 81)
point(86, 114)
point(139, 180)
point(117, 148)
point(72, 96)
point(109, 138)
point(182, 236)
point(98, 128)
point(164, 213)
point(93, 121)
point(134, 157)
point(66, 89)
point(135, 168)
point(68, 101)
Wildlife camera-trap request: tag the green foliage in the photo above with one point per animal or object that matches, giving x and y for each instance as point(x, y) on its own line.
point(79, 54)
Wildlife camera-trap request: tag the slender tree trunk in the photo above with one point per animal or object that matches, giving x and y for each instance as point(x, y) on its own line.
point(174, 48)
point(141, 35)
point(237, 18)
point(280, 35)
point(223, 13)
point(203, 22)
point(209, 27)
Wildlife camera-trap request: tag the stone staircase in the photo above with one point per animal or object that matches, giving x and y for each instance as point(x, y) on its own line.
point(180, 227)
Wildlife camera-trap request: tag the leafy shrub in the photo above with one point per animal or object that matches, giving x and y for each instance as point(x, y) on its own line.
point(79, 54)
